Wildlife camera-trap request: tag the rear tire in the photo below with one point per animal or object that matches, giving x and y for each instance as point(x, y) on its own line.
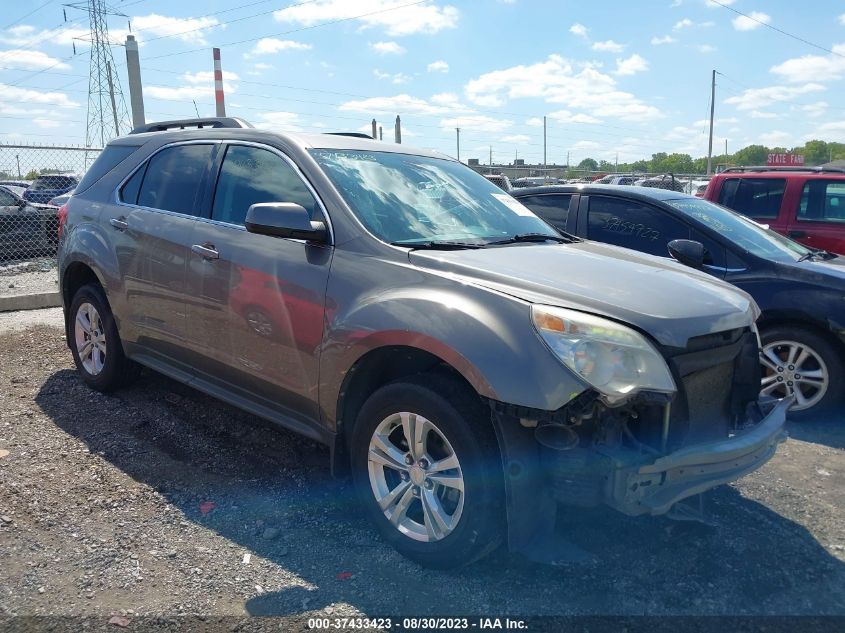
point(796, 358)
point(95, 342)
point(444, 513)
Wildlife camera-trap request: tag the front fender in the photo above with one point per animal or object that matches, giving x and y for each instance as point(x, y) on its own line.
point(485, 335)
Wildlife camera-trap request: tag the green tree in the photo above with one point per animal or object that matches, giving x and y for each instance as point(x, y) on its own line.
point(32, 174)
point(815, 152)
point(752, 155)
point(589, 164)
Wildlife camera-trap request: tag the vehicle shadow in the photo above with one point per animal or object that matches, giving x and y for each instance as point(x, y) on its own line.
point(191, 448)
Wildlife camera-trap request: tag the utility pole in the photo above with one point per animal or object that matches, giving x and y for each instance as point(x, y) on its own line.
point(397, 131)
point(491, 160)
point(726, 150)
point(18, 158)
point(545, 164)
point(136, 92)
point(712, 111)
point(617, 161)
point(458, 139)
point(380, 133)
point(375, 130)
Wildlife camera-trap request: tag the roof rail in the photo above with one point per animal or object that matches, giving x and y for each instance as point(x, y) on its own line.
point(181, 124)
point(759, 168)
point(352, 134)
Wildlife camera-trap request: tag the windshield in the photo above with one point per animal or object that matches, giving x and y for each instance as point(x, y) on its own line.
point(403, 198)
point(741, 231)
point(52, 182)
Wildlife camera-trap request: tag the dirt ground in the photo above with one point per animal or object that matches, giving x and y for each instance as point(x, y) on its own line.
point(158, 500)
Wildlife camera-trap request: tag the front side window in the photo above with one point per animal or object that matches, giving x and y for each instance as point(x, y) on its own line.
point(174, 178)
point(251, 175)
point(7, 199)
point(632, 224)
point(823, 201)
point(553, 208)
point(754, 197)
point(404, 198)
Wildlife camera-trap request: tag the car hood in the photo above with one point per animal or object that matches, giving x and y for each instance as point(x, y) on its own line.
point(667, 300)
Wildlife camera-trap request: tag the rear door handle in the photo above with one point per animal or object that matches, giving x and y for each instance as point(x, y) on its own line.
point(206, 251)
point(119, 223)
point(797, 234)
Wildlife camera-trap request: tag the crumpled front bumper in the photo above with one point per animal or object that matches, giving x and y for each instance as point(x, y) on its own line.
point(654, 488)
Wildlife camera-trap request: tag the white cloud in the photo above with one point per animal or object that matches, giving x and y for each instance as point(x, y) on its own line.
point(25, 35)
point(185, 29)
point(515, 138)
point(565, 116)
point(608, 46)
point(578, 29)
point(396, 78)
point(775, 138)
point(815, 110)
point(535, 121)
point(390, 15)
point(683, 24)
point(30, 60)
point(399, 104)
point(813, 67)
point(842, 19)
point(631, 66)
point(666, 39)
point(272, 45)
point(586, 145)
point(438, 67)
point(388, 48)
point(676, 3)
point(15, 94)
point(757, 98)
point(477, 122)
point(207, 76)
point(47, 123)
point(753, 20)
point(713, 5)
point(197, 86)
point(278, 121)
point(759, 114)
point(706, 48)
point(557, 80)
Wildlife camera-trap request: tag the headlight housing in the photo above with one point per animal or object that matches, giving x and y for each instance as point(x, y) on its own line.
point(615, 360)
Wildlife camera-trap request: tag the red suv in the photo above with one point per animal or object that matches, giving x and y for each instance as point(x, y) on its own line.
point(807, 205)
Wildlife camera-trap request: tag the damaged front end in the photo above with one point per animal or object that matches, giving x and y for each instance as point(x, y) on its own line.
point(645, 454)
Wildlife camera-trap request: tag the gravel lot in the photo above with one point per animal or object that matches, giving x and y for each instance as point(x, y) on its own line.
point(31, 277)
point(158, 500)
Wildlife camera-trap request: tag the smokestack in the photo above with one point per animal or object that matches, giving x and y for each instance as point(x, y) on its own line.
point(133, 70)
point(375, 136)
point(398, 130)
point(218, 84)
point(380, 133)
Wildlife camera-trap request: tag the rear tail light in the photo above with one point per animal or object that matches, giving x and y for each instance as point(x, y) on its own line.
point(61, 215)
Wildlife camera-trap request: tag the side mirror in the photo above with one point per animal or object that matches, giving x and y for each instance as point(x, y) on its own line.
point(284, 219)
point(688, 252)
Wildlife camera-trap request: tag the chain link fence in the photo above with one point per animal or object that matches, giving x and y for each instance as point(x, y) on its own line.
point(35, 180)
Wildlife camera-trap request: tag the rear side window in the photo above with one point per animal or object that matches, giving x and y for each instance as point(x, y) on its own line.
point(823, 201)
point(633, 224)
point(108, 159)
point(129, 191)
point(754, 197)
point(174, 178)
point(554, 209)
point(7, 199)
point(251, 175)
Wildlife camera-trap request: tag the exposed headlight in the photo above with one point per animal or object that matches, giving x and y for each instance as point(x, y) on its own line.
point(616, 360)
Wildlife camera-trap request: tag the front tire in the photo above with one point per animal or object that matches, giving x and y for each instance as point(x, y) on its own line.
point(426, 467)
point(95, 342)
point(801, 362)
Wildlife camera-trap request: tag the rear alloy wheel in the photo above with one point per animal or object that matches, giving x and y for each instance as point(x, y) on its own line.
point(95, 342)
point(427, 469)
point(800, 363)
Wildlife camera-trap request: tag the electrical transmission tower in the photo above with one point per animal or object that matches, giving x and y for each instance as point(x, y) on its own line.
point(107, 113)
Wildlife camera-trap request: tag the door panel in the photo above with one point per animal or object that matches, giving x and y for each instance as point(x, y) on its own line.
point(820, 216)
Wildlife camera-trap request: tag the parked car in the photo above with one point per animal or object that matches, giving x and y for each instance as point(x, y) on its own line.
point(26, 229)
point(696, 188)
point(807, 205)
point(471, 367)
point(23, 184)
point(501, 181)
point(799, 290)
point(615, 179)
point(46, 187)
point(60, 200)
point(666, 181)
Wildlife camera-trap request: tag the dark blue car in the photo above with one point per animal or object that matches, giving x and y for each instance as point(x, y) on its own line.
point(800, 290)
point(48, 186)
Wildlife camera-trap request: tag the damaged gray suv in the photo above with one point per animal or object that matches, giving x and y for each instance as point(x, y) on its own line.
point(471, 368)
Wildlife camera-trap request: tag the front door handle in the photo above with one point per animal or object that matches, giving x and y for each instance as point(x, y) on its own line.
point(207, 251)
point(119, 223)
point(797, 234)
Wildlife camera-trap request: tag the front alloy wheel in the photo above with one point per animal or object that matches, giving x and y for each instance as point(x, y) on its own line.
point(90, 339)
point(792, 368)
point(416, 477)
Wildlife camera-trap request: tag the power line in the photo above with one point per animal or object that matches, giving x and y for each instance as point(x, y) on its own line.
point(774, 28)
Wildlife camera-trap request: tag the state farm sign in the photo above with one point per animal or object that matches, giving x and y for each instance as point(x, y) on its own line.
point(785, 160)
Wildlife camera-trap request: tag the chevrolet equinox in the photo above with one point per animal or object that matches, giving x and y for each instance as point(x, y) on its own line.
point(470, 368)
